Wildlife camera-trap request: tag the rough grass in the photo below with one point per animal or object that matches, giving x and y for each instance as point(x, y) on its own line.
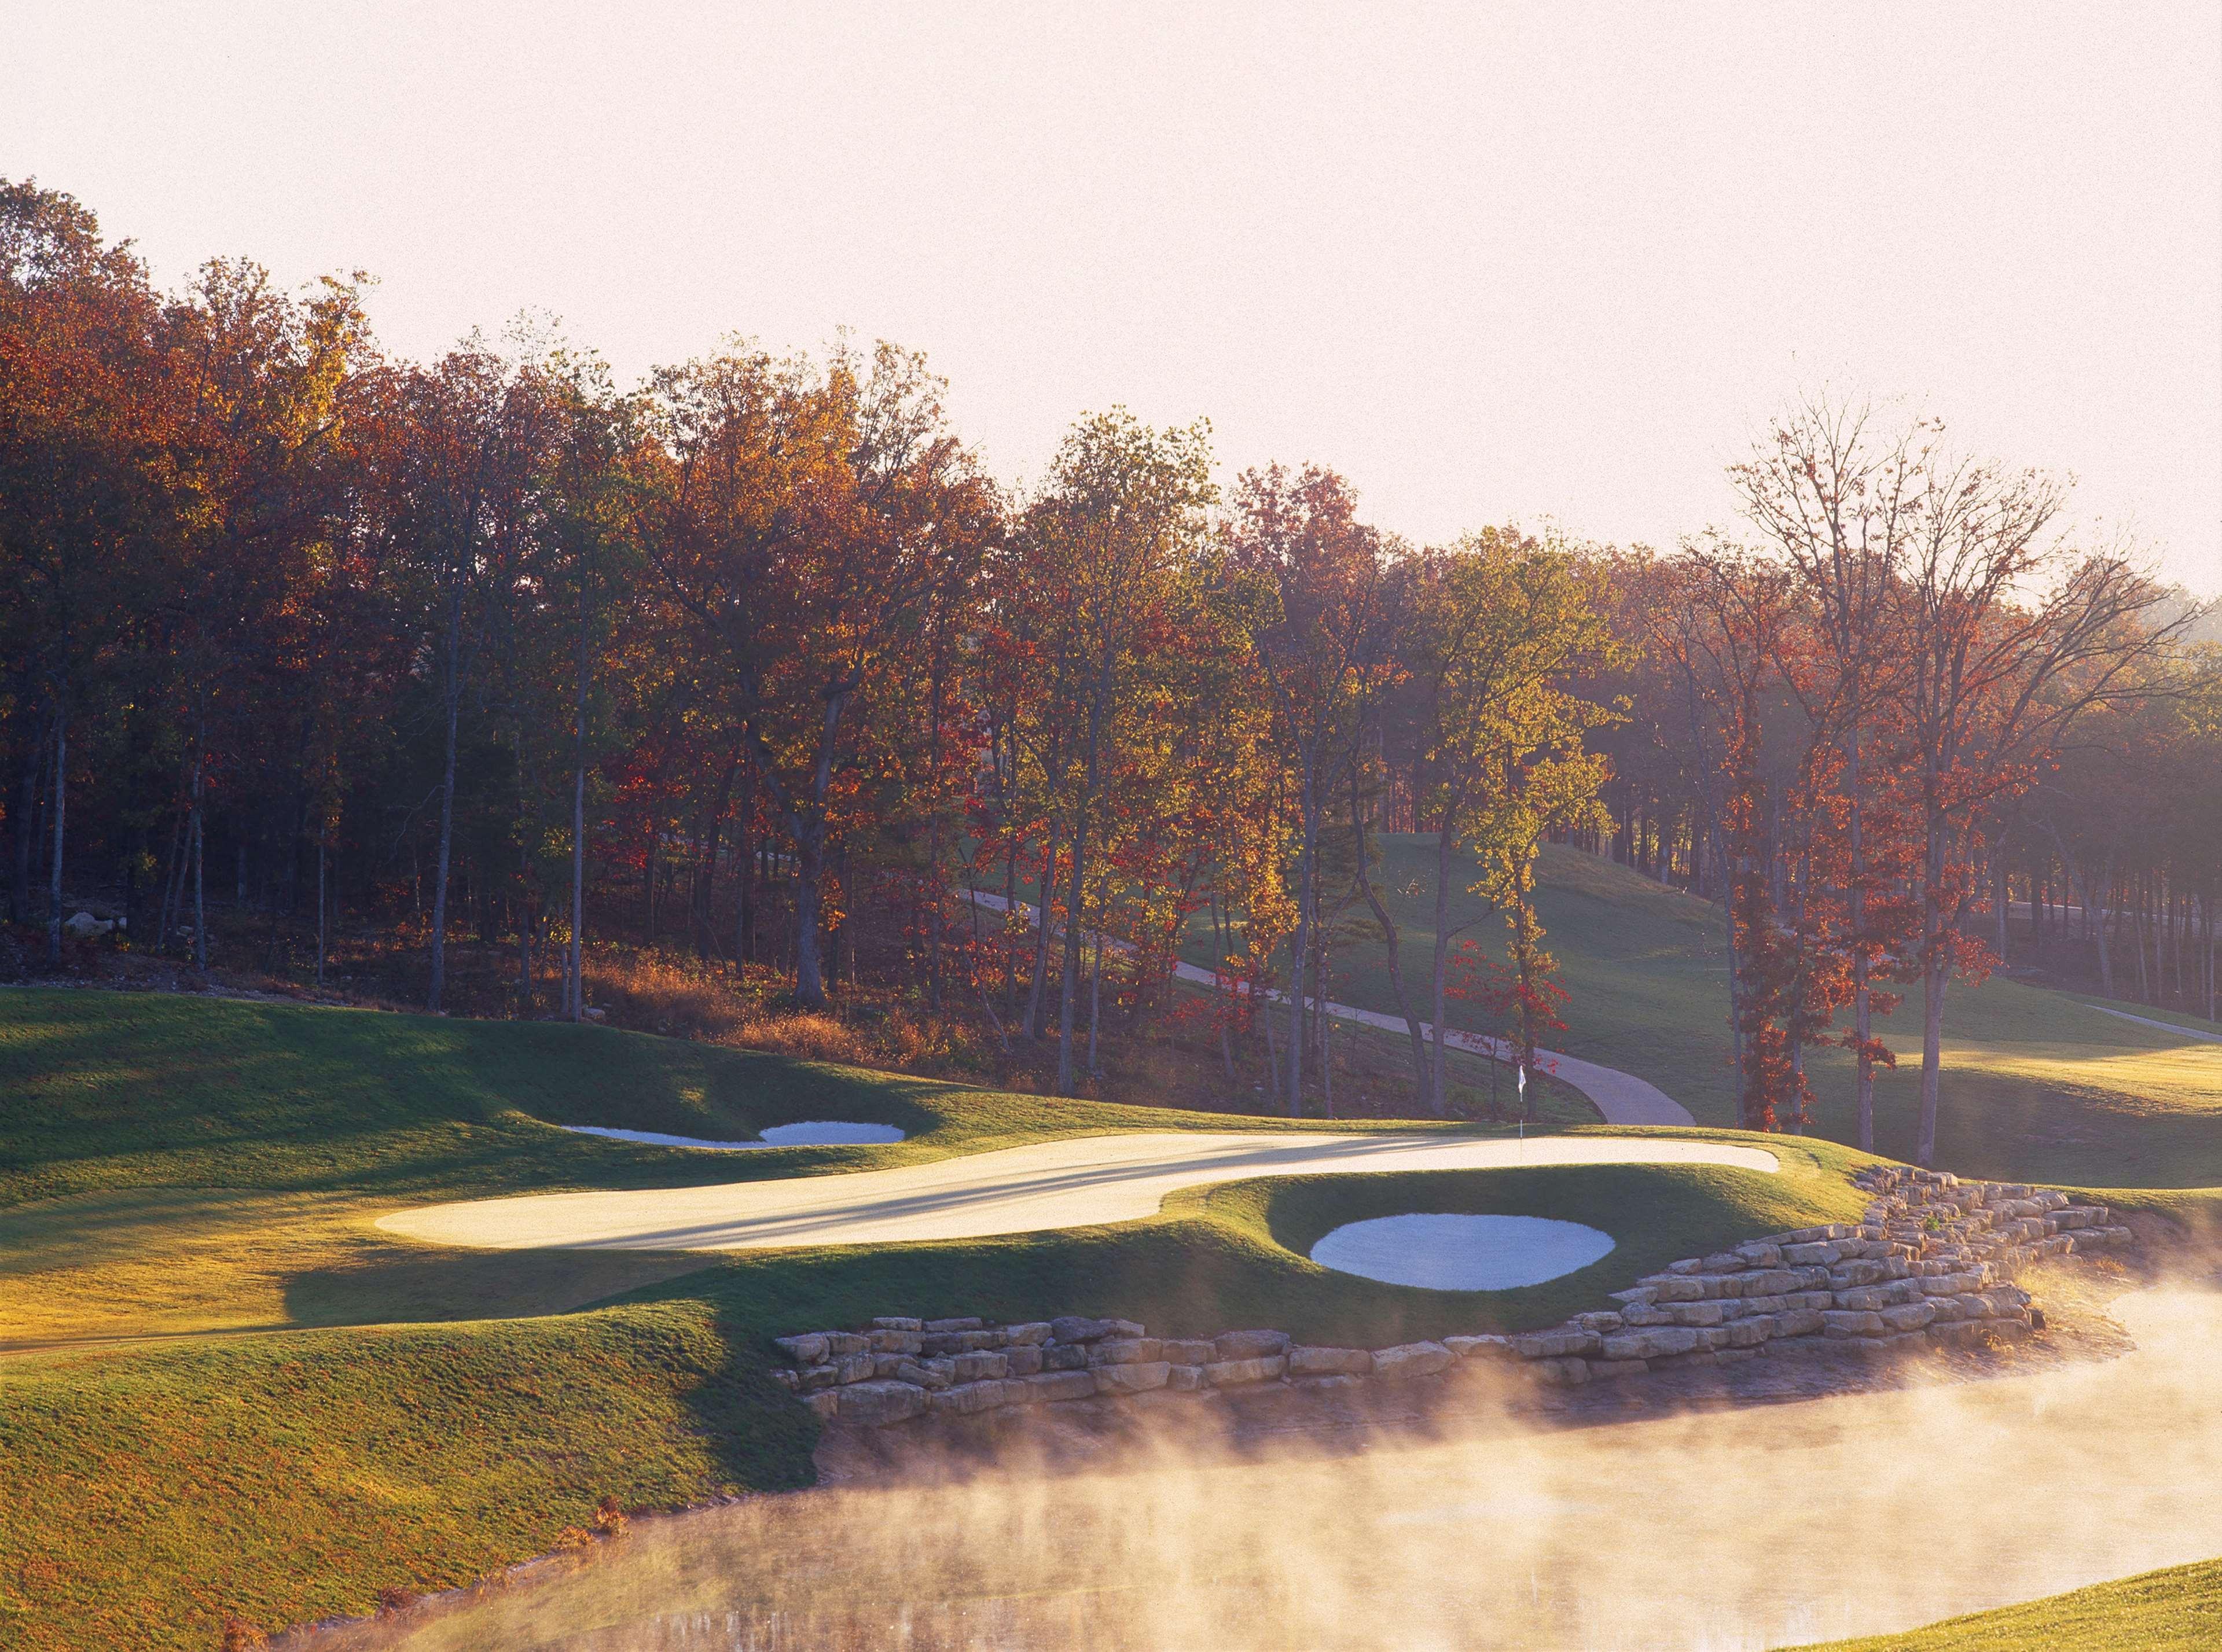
point(2036, 1086)
point(2177, 1610)
point(279, 1479)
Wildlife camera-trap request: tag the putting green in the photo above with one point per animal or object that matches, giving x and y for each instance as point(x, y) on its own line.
point(1077, 1182)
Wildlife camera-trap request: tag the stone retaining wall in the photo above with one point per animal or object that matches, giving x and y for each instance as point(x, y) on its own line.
point(1933, 1258)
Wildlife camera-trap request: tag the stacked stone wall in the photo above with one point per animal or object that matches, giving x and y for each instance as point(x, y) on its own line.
point(1933, 1259)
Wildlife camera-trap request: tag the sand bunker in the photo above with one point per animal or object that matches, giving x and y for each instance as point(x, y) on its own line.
point(1074, 1183)
point(813, 1133)
point(1461, 1253)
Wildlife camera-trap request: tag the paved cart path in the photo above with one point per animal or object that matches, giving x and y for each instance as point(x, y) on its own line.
point(1621, 1097)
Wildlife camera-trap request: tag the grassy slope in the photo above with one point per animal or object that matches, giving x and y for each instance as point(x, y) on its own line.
point(2178, 1610)
point(2036, 1084)
point(168, 1165)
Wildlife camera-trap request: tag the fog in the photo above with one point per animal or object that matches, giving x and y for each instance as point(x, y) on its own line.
point(1722, 1529)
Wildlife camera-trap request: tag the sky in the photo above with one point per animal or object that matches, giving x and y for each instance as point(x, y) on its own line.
point(1493, 263)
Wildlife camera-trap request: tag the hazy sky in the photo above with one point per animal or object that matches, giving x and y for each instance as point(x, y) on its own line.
point(1493, 262)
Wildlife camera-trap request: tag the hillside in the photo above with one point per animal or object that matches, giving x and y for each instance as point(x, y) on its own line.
point(2036, 1086)
point(244, 1398)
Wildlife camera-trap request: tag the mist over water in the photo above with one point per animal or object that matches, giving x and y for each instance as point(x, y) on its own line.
point(1709, 1530)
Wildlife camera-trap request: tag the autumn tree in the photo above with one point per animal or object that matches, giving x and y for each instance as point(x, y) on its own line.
point(1318, 602)
point(807, 515)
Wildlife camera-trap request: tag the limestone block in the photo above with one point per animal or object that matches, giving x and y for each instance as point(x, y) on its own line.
point(1023, 1359)
point(1555, 1344)
point(926, 1374)
point(1680, 1290)
point(896, 1341)
point(1070, 1327)
point(826, 1402)
point(1771, 1282)
point(1747, 1333)
point(1126, 1328)
point(1050, 1385)
point(1329, 1362)
point(1184, 1378)
point(1408, 1359)
point(1601, 1321)
point(807, 1350)
point(842, 1343)
point(790, 1381)
point(1031, 1335)
point(981, 1366)
point(896, 1323)
point(1641, 1296)
point(1758, 1253)
point(1662, 1343)
point(1479, 1348)
point(1124, 1350)
point(966, 1398)
point(950, 1324)
point(1065, 1356)
point(1231, 1374)
point(1687, 1265)
point(1726, 1261)
point(1133, 1378)
point(1640, 1317)
point(1696, 1313)
point(1235, 1345)
point(1849, 1323)
point(854, 1367)
point(1561, 1374)
point(877, 1404)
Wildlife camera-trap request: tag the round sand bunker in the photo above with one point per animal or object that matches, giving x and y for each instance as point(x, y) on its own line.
point(814, 1133)
point(1461, 1253)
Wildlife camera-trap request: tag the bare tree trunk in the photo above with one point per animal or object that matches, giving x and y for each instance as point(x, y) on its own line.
point(1422, 1090)
point(61, 815)
point(320, 911)
point(1299, 956)
point(433, 996)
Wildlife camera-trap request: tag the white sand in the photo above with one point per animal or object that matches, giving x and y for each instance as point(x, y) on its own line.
point(815, 1132)
point(1461, 1253)
point(1074, 1183)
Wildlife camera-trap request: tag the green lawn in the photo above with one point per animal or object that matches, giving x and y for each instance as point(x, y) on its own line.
point(379, 1414)
point(2037, 1085)
point(2177, 1610)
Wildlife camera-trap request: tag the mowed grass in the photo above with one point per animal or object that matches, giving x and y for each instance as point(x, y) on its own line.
point(2036, 1086)
point(280, 1478)
point(174, 1166)
point(2176, 1609)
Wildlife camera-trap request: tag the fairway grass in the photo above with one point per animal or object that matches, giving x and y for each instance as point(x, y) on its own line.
point(2176, 1609)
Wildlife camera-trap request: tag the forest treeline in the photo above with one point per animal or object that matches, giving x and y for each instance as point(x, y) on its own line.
point(755, 657)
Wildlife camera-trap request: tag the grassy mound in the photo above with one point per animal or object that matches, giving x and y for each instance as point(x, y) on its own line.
point(2176, 1609)
point(2037, 1085)
point(386, 1415)
point(1236, 1253)
point(280, 1478)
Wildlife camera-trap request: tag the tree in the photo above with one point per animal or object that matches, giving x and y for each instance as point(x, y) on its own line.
point(807, 516)
point(2009, 634)
point(1317, 602)
point(1501, 633)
